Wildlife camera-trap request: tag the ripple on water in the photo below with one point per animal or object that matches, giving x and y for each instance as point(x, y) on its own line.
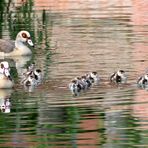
point(72, 38)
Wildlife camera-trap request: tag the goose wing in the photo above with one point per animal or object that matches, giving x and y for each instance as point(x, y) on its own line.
point(6, 46)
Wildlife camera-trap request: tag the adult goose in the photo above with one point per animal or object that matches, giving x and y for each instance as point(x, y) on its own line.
point(17, 47)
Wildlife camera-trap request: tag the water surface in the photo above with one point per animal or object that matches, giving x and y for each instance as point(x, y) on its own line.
point(73, 38)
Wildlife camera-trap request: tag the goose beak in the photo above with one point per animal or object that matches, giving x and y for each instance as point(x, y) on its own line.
point(29, 41)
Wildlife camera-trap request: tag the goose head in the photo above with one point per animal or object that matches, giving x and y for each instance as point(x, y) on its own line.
point(4, 69)
point(24, 37)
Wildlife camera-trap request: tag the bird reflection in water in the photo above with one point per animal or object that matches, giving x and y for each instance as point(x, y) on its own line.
point(5, 103)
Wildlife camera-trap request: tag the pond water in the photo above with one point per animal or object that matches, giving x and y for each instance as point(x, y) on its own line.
point(73, 38)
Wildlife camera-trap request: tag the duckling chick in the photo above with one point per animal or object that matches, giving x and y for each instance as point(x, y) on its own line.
point(88, 77)
point(118, 77)
point(93, 77)
point(74, 87)
point(80, 84)
point(30, 81)
point(86, 82)
point(143, 81)
point(38, 75)
point(30, 69)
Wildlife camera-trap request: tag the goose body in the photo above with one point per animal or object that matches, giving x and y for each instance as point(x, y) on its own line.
point(17, 47)
point(118, 77)
point(143, 81)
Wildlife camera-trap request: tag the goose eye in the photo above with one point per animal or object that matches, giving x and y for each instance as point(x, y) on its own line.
point(24, 35)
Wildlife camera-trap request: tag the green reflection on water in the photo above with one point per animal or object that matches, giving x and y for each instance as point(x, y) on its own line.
point(25, 115)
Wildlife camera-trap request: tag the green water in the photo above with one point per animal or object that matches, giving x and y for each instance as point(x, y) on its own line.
point(73, 38)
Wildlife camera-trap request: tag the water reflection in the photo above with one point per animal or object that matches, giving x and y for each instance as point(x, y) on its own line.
point(20, 63)
point(89, 35)
point(5, 97)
